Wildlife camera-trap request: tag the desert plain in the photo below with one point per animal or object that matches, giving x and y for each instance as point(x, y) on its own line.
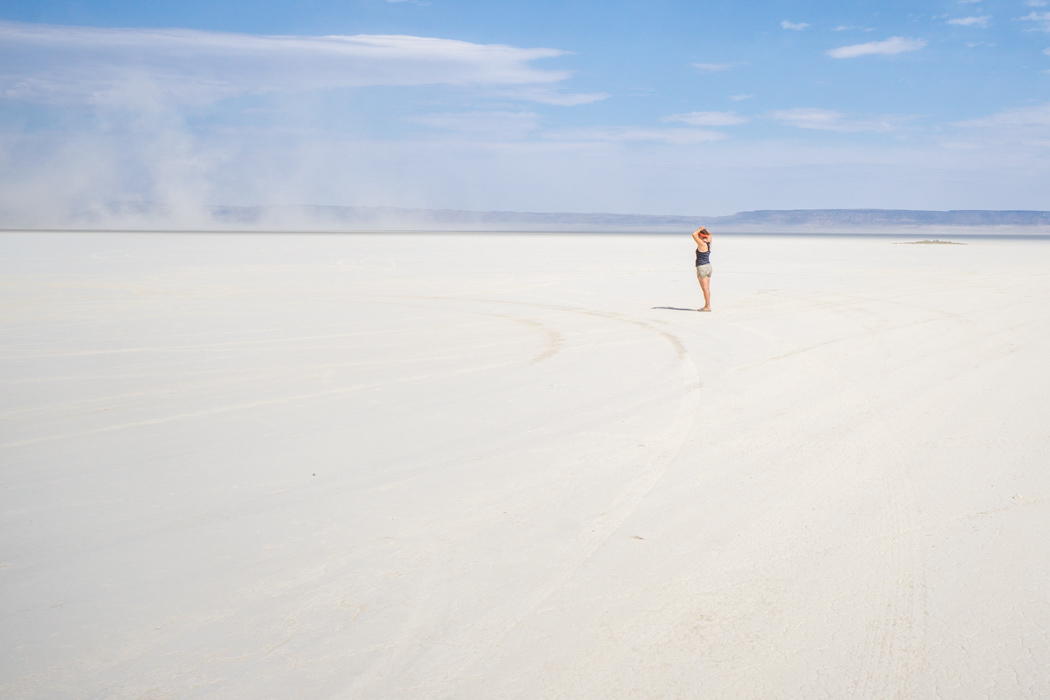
point(523, 466)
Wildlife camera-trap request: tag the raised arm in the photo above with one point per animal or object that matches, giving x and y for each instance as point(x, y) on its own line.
point(701, 236)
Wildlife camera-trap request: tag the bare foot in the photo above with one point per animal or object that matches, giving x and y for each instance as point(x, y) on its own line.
point(706, 308)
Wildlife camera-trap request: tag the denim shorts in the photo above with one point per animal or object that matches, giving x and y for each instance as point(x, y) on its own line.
point(703, 271)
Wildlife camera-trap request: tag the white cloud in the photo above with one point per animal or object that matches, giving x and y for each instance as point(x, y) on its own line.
point(971, 21)
point(809, 118)
point(831, 120)
point(740, 98)
point(548, 96)
point(1047, 51)
point(713, 67)
point(1024, 128)
point(1040, 17)
point(627, 134)
point(797, 26)
point(891, 46)
point(1038, 116)
point(86, 64)
point(1036, 3)
point(708, 118)
point(490, 124)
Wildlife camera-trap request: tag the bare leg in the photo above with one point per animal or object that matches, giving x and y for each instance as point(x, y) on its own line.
point(705, 285)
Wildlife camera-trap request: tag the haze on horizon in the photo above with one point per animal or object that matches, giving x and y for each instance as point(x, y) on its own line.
point(629, 107)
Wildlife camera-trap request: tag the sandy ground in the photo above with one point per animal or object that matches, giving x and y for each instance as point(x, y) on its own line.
point(275, 466)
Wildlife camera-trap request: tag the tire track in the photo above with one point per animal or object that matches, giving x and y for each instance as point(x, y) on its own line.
point(895, 637)
point(601, 529)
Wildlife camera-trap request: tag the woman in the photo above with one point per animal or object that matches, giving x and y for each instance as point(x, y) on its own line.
point(703, 264)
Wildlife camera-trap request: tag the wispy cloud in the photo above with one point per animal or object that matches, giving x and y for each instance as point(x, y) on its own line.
point(49, 63)
point(708, 118)
point(550, 96)
point(713, 67)
point(1042, 18)
point(1038, 116)
point(831, 120)
point(796, 26)
point(490, 124)
point(981, 21)
point(628, 134)
point(1027, 128)
point(893, 45)
point(1037, 3)
point(740, 98)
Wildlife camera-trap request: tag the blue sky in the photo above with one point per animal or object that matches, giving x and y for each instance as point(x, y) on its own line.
point(655, 107)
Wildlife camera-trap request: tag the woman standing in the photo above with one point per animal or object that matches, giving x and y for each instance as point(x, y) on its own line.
point(703, 264)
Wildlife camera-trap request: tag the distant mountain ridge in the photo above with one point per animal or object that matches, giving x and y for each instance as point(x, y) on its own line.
point(158, 216)
point(772, 219)
point(825, 218)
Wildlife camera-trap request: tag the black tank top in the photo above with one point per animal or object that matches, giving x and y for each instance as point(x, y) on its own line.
point(703, 258)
